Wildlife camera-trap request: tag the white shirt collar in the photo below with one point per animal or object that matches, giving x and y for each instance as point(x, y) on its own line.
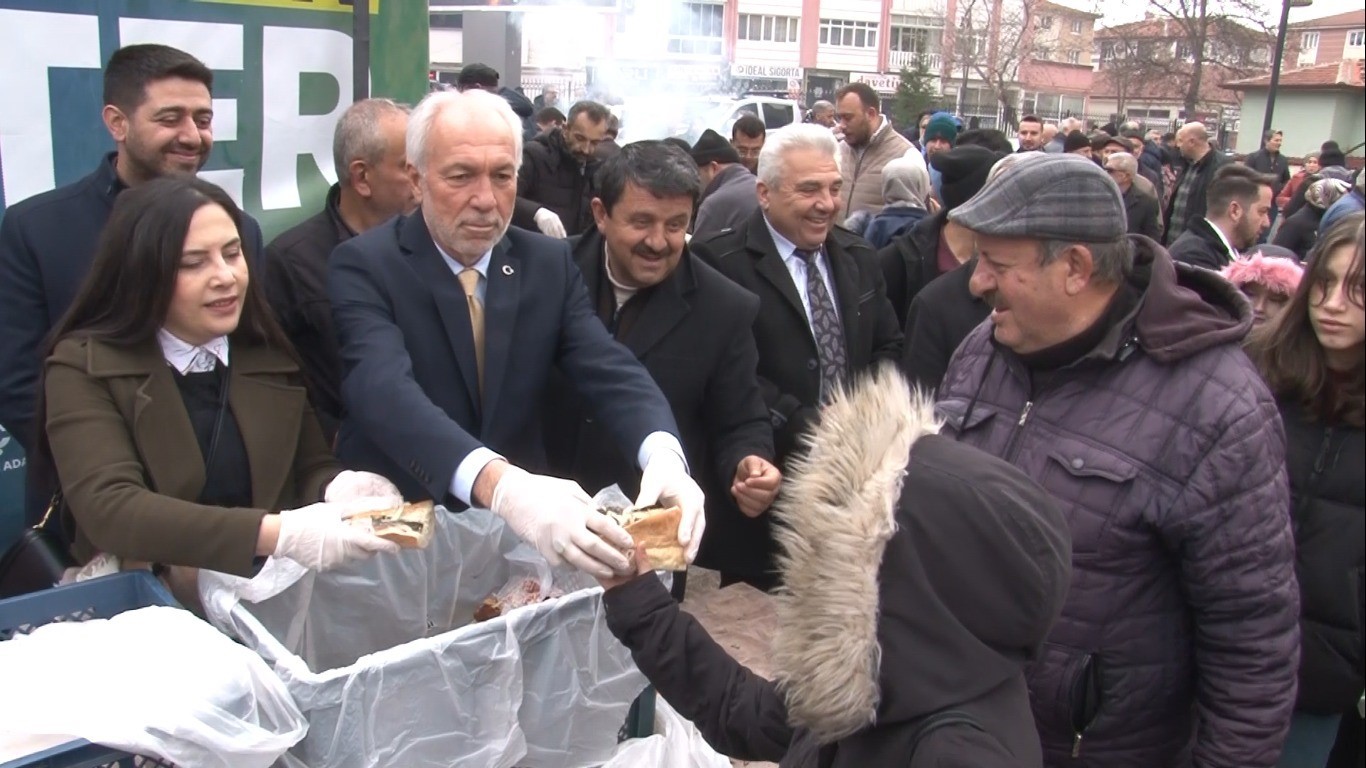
point(1232, 252)
point(185, 357)
point(482, 266)
point(786, 248)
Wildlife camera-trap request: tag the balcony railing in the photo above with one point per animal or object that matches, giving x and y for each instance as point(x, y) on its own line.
point(898, 59)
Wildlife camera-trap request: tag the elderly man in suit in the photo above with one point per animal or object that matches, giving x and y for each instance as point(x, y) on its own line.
point(1140, 208)
point(686, 323)
point(450, 323)
point(823, 309)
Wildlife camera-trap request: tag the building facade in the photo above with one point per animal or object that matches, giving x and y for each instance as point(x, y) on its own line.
point(1327, 40)
point(990, 59)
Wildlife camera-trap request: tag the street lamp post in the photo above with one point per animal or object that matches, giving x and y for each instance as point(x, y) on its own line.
point(1286, 5)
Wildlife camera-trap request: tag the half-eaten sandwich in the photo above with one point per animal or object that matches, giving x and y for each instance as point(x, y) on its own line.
point(410, 525)
point(657, 529)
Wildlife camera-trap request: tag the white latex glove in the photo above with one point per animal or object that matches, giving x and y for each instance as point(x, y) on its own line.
point(350, 485)
point(666, 481)
point(319, 538)
point(550, 224)
point(557, 518)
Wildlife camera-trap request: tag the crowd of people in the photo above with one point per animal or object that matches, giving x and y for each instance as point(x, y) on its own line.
point(1050, 449)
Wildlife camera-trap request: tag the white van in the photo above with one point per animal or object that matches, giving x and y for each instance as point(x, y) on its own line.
point(775, 113)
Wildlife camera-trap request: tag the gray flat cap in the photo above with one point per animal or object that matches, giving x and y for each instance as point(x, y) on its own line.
point(1049, 197)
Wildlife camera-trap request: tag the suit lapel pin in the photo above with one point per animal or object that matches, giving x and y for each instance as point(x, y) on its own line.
point(507, 269)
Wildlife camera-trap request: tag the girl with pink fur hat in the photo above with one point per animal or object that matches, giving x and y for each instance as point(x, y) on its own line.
point(1268, 277)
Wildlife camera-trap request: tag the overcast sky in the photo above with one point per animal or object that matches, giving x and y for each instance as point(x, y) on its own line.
point(1130, 10)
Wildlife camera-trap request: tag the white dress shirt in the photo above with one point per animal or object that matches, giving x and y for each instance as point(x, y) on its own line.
point(796, 267)
point(462, 483)
point(188, 358)
point(1232, 252)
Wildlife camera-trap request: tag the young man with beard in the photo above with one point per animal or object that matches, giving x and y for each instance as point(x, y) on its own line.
point(1031, 134)
point(1117, 379)
point(158, 108)
point(823, 310)
point(686, 323)
point(1238, 211)
point(450, 323)
point(747, 135)
point(555, 183)
point(869, 144)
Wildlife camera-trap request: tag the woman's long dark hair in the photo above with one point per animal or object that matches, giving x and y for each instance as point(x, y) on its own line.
point(126, 295)
point(1287, 350)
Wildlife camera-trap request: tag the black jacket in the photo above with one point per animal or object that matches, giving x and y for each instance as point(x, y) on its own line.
point(47, 243)
point(1198, 174)
point(910, 262)
point(1300, 230)
point(941, 316)
point(908, 600)
point(789, 371)
point(1200, 246)
point(692, 333)
point(789, 367)
point(1275, 166)
point(296, 287)
point(1141, 212)
point(552, 177)
point(1328, 506)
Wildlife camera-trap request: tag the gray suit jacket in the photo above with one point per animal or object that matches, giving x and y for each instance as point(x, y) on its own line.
point(727, 202)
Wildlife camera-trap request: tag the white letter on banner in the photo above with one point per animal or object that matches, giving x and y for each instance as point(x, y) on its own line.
point(31, 43)
point(288, 52)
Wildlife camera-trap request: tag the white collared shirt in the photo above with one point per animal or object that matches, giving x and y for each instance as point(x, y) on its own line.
point(796, 267)
point(462, 483)
point(186, 357)
point(481, 266)
point(1232, 252)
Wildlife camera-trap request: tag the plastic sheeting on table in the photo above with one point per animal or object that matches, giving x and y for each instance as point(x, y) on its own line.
point(152, 681)
point(385, 664)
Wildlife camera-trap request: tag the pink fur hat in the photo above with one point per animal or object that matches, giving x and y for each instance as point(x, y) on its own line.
point(1276, 273)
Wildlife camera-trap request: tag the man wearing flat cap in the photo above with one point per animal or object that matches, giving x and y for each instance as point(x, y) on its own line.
point(1115, 378)
point(728, 188)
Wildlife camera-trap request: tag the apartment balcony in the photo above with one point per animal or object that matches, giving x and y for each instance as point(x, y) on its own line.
point(896, 60)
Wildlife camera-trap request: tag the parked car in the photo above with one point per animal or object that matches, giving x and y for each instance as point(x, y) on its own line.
point(775, 113)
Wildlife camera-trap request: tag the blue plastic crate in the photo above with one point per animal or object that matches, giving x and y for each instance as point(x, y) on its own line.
point(95, 599)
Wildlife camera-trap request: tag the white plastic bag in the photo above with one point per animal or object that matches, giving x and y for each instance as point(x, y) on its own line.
point(154, 681)
point(385, 662)
point(675, 744)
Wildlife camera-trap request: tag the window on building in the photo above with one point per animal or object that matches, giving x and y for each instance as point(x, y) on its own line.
point(971, 44)
point(1183, 51)
point(1076, 26)
point(1108, 50)
point(446, 20)
point(1356, 38)
point(1074, 57)
point(1043, 52)
point(768, 29)
point(696, 29)
point(912, 38)
point(1045, 22)
point(848, 34)
point(1052, 106)
point(1309, 40)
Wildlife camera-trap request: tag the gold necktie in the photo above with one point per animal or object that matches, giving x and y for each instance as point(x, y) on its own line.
point(469, 280)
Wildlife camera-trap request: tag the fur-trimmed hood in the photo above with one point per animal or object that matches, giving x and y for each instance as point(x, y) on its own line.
point(920, 574)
